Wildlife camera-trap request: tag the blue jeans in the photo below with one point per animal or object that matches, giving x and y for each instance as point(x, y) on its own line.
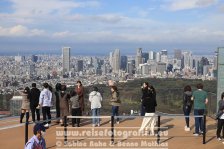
point(96, 112)
point(199, 120)
point(142, 110)
point(115, 110)
point(187, 111)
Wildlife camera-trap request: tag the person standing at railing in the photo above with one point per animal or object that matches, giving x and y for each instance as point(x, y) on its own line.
point(220, 117)
point(115, 102)
point(37, 141)
point(64, 104)
point(34, 101)
point(45, 101)
point(80, 91)
point(95, 99)
point(200, 100)
point(75, 108)
point(187, 105)
point(57, 96)
point(25, 108)
point(149, 102)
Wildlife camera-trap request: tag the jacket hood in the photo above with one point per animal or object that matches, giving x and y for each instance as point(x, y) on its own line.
point(189, 93)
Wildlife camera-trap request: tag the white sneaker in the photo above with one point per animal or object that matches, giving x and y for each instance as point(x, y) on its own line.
point(118, 122)
point(98, 125)
point(187, 128)
point(196, 134)
point(94, 125)
point(46, 125)
point(219, 139)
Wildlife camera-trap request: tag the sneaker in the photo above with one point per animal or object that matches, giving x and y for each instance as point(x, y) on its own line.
point(94, 125)
point(195, 134)
point(110, 122)
point(188, 129)
point(46, 125)
point(118, 122)
point(98, 125)
point(219, 139)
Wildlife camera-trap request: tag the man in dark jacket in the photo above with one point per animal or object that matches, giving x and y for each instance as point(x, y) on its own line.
point(34, 101)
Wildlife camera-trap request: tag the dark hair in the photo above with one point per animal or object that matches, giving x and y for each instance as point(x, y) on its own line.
point(95, 89)
point(26, 90)
point(147, 84)
point(50, 88)
point(152, 88)
point(63, 87)
point(187, 88)
point(79, 82)
point(45, 85)
point(114, 88)
point(37, 128)
point(58, 86)
point(34, 85)
point(73, 93)
point(222, 96)
point(200, 86)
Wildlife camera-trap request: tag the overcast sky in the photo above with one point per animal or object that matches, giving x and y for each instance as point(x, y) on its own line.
point(97, 25)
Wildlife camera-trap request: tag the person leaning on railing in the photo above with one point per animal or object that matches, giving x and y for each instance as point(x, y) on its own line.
point(220, 117)
point(187, 105)
point(200, 100)
point(115, 102)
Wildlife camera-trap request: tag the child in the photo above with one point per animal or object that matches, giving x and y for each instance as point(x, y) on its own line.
point(76, 109)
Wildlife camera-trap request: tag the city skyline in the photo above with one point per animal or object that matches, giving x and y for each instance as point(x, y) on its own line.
point(101, 26)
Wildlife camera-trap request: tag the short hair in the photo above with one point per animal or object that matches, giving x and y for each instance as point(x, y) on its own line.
point(26, 90)
point(45, 85)
point(222, 96)
point(200, 86)
point(58, 86)
point(38, 127)
point(95, 89)
point(63, 87)
point(34, 85)
point(187, 88)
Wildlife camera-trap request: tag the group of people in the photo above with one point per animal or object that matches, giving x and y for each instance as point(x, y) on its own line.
point(198, 100)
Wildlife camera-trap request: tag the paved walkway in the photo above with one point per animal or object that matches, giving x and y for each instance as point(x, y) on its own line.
point(174, 136)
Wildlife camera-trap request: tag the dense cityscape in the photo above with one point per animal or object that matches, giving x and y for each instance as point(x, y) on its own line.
point(20, 71)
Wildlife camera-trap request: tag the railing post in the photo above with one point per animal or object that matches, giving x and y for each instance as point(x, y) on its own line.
point(112, 129)
point(158, 131)
point(65, 130)
point(204, 132)
point(26, 131)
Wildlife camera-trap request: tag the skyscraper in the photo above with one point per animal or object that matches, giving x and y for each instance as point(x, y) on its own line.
point(177, 54)
point(116, 61)
point(138, 58)
point(152, 55)
point(80, 65)
point(66, 59)
point(124, 61)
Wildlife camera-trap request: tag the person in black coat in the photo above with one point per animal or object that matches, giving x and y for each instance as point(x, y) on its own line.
point(57, 92)
point(149, 103)
point(34, 101)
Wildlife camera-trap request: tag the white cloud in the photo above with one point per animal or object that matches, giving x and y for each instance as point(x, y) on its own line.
point(20, 30)
point(176, 5)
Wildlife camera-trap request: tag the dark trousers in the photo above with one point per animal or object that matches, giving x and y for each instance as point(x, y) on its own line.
point(199, 120)
point(76, 112)
point(46, 114)
point(187, 111)
point(115, 110)
point(220, 127)
point(142, 110)
point(57, 109)
point(33, 110)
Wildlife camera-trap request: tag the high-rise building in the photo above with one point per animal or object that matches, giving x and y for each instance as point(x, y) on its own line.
point(80, 65)
point(130, 67)
point(111, 58)
point(158, 57)
point(124, 61)
point(138, 58)
point(177, 54)
point(152, 55)
point(116, 61)
point(187, 59)
point(145, 57)
point(66, 59)
point(164, 52)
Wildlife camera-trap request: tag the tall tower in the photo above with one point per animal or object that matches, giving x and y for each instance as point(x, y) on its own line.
point(138, 58)
point(66, 59)
point(116, 61)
